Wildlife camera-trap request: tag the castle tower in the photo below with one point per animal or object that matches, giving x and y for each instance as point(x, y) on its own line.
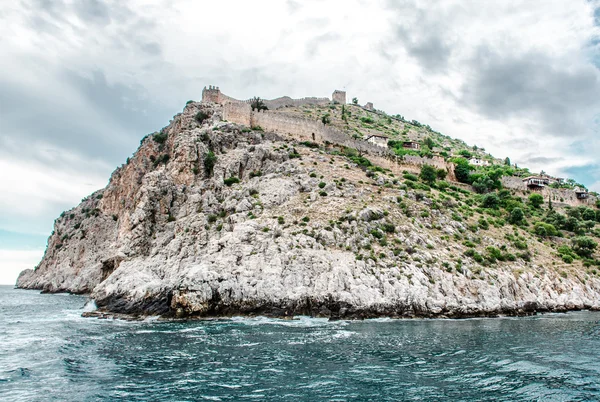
point(339, 97)
point(211, 94)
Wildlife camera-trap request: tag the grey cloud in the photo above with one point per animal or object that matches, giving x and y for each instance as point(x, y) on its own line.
point(529, 85)
point(312, 46)
point(431, 50)
point(92, 11)
point(115, 116)
point(293, 6)
point(426, 36)
point(539, 160)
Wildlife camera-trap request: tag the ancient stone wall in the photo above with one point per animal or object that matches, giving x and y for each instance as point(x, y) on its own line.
point(237, 112)
point(339, 97)
point(302, 129)
point(212, 94)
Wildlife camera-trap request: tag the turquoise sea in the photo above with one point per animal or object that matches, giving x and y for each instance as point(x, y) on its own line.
point(48, 352)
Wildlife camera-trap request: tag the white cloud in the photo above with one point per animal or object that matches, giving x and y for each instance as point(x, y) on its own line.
point(12, 262)
point(87, 80)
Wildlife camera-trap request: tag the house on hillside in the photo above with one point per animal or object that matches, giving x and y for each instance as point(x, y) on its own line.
point(478, 162)
point(551, 179)
point(411, 145)
point(534, 182)
point(379, 140)
point(581, 193)
point(369, 106)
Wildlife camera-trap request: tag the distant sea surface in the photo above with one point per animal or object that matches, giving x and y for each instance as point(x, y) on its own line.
point(48, 352)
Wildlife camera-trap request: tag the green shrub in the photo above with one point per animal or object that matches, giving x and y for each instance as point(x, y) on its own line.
point(231, 180)
point(309, 144)
point(409, 176)
point(567, 258)
point(545, 229)
point(313, 174)
point(160, 137)
point(161, 159)
point(483, 184)
point(376, 233)
point(211, 218)
point(490, 201)
point(584, 246)
point(210, 159)
point(201, 116)
point(388, 228)
point(494, 254)
point(516, 216)
point(323, 193)
point(322, 184)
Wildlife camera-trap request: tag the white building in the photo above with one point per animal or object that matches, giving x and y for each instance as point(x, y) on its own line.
point(478, 162)
point(379, 140)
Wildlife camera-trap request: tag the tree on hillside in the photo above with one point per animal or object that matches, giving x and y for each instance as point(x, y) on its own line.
point(507, 161)
point(355, 101)
point(465, 153)
point(483, 184)
point(490, 201)
point(258, 104)
point(536, 200)
point(516, 216)
point(428, 174)
point(462, 171)
point(584, 246)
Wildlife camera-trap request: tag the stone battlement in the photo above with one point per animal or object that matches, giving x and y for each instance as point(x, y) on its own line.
point(213, 94)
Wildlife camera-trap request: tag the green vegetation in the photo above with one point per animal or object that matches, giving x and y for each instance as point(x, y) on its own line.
point(428, 174)
point(210, 159)
point(536, 200)
point(201, 116)
point(160, 137)
point(231, 181)
point(258, 104)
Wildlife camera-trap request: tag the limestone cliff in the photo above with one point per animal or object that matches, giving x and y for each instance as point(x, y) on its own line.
point(304, 231)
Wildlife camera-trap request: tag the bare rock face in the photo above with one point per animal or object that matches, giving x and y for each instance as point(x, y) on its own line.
point(177, 235)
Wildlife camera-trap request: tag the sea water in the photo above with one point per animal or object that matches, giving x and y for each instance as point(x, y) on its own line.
point(49, 352)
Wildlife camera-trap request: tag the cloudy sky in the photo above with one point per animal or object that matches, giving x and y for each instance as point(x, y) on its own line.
point(83, 80)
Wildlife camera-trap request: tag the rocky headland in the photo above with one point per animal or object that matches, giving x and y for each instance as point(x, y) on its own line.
point(213, 218)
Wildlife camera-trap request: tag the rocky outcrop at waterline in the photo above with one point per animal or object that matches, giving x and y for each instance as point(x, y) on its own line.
point(210, 218)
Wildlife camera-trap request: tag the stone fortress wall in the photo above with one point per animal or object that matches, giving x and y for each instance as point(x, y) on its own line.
point(304, 129)
point(214, 94)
